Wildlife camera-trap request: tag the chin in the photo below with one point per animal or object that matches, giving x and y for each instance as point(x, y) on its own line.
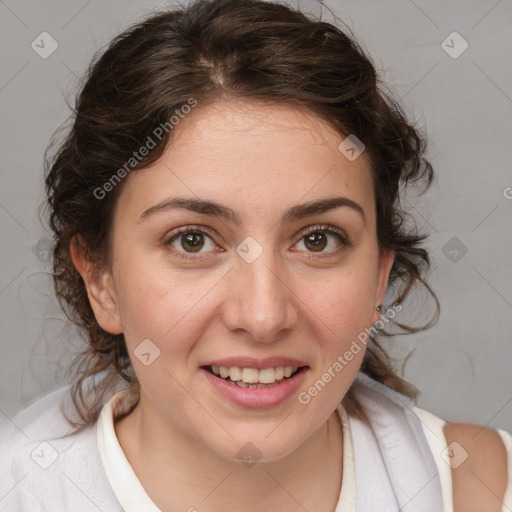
point(250, 450)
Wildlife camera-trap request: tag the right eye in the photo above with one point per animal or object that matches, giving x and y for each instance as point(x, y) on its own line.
point(191, 240)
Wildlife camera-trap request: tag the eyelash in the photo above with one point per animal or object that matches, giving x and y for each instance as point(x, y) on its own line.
point(324, 228)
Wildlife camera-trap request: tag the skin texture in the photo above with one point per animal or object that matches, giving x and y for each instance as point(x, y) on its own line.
point(182, 439)
point(478, 483)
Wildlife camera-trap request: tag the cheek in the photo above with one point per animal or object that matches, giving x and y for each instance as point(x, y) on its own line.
point(164, 307)
point(140, 298)
point(339, 314)
point(344, 299)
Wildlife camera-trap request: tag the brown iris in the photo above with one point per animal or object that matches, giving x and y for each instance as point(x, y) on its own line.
point(317, 240)
point(193, 241)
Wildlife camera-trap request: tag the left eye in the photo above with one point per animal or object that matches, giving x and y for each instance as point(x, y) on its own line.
point(316, 237)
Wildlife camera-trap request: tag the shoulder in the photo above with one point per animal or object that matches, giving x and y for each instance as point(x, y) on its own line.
point(38, 455)
point(479, 467)
point(481, 463)
point(36, 430)
point(34, 423)
point(41, 419)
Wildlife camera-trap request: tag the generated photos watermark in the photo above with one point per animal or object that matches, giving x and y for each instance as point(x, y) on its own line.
point(343, 360)
point(143, 151)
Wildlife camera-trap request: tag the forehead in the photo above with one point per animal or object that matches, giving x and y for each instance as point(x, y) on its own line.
point(251, 155)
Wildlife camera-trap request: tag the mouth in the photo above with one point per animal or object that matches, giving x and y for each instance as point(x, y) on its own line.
point(252, 378)
point(255, 383)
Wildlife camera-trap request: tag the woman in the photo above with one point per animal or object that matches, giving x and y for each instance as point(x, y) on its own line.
point(228, 236)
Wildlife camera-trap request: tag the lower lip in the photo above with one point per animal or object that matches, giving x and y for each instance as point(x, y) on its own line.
point(257, 397)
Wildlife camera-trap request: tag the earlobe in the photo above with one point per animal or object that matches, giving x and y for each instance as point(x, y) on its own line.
point(386, 263)
point(100, 288)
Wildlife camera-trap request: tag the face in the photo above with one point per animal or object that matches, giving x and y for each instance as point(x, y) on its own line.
point(272, 284)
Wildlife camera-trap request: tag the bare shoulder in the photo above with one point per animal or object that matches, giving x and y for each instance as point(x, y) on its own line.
point(479, 467)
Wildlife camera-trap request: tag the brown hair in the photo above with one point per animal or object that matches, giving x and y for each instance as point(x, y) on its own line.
point(249, 49)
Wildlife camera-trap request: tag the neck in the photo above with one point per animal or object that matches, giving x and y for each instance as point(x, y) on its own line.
point(180, 473)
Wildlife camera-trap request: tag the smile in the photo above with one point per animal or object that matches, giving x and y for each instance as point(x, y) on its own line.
point(255, 394)
point(252, 377)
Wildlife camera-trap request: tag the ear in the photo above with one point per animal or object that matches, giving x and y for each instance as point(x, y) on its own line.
point(387, 259)
point(100, 288)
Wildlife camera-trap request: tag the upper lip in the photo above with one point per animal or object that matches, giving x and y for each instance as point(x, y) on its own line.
point(259, 364)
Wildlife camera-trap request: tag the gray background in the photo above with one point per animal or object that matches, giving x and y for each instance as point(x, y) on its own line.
point(462, 365)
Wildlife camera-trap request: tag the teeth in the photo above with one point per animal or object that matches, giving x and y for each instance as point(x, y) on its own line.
point(249, 375)
point(235, 373)
point(254, 376)
point(267, 376)
point(279, 372)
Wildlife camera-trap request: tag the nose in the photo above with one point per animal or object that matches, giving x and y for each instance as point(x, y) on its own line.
point(260, 301)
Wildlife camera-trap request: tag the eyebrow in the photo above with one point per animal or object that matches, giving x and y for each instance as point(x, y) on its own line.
point(218, 210)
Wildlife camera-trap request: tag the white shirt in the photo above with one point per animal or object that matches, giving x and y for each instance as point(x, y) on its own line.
point(400, 463)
